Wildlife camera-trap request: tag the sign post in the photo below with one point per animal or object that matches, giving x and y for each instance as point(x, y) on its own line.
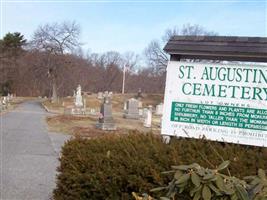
point(221, 102)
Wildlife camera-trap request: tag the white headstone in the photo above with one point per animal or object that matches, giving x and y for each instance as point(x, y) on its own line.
point(78, 98)
point(159, 109)
point(140, 111)
point(8, 97)
point(132, 111)
point(4, 100)
point(140, 104)
point(100, 95)
point(125, 106)
point(148, 118)
point(92, 111)
point(106, 94)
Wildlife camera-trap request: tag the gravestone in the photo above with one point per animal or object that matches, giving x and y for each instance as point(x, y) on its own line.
point(144, 113)
point(78, 97)
point(131, 111)
point(124, 106)
point(100, 95)
point(106, 94)
point(140, 111)
point(159, 109)
point(148, 117)
point(4, 103)
point(106, 121)
point(110, 94)
point(92, 111)
point(140, 108)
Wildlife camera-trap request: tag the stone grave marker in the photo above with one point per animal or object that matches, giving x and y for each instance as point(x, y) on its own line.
point(106, 93)
point(140, 108)
point(124, 106)
point(106, 121)
point(100, 95)
point(159, 109)
point(131, 111)
point(78, 97)
point(4, 103)
point(148, 117)
point(144, 113)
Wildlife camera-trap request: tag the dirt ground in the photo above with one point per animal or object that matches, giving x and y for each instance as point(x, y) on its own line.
point(84, 124)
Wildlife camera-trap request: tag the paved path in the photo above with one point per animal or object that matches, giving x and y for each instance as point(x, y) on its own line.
point(28, 154)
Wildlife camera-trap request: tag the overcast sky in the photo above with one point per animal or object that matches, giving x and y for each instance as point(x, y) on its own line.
point(128, 26)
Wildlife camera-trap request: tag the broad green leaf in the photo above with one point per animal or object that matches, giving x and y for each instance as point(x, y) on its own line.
point(214, 189)
point(256, 181)
point(157, 189)
point(183, 179)
point(234, 197)
point(180, 185)
point(223, 165)
point(168, 172)
point(258, 188)
point(178, 174)
point(220, 183)
point(194, 165)
point(201, 172)
point(181, 189)
point(261, 174)
point(194, 190)
point(197, 195)
point(206, 193)
point(195, 179)
point(208, 176)
point(241, 193)
point(181, 167)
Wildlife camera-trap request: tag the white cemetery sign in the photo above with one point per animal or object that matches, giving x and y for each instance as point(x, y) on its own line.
point(221, 102)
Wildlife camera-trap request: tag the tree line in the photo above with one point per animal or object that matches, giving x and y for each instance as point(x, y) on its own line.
point(52, 63)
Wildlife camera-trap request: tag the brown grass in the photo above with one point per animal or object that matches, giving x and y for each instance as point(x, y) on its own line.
point(83, 125)
point(93, 102)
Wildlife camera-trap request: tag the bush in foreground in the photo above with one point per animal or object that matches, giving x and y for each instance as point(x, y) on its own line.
point(200, 183)
point(114, 166)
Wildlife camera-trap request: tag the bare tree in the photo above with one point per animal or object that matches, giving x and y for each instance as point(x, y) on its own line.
point(130, 59)
point(55, 40)
point(157, 58)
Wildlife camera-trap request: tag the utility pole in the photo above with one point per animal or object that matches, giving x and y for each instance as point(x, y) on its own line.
point(123, 78)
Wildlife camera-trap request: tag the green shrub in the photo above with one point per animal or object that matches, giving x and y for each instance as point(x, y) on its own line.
point(111, 167)
point(114, 166)
point(198, 183)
